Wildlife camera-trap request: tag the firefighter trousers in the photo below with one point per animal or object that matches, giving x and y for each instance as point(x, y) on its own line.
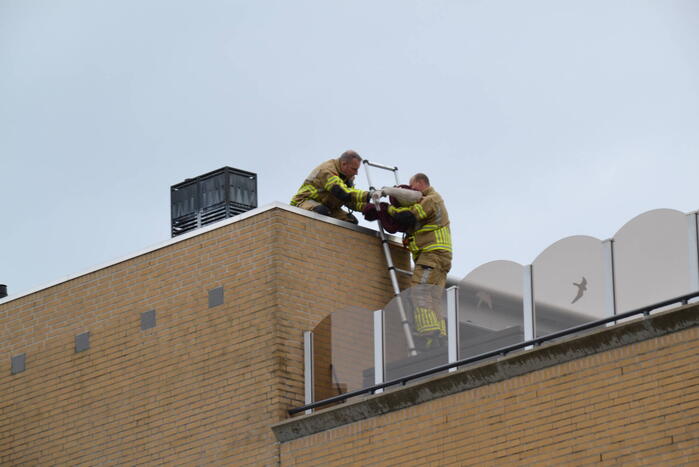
point(428, 281)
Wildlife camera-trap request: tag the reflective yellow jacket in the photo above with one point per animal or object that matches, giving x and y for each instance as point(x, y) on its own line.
point(328, 186)
point(431, 231)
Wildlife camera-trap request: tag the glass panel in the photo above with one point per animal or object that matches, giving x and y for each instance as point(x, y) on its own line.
point(651, 259)
point(569, 284)
point(490, 308)
point(212, 190)
point(242, 190)
point(184, 201)
point(424, 313)
point(343, 353)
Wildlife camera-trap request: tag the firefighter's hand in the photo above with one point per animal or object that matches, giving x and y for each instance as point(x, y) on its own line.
point(376, 196)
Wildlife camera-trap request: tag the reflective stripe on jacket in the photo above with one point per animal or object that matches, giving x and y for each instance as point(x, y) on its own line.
point(320, 182)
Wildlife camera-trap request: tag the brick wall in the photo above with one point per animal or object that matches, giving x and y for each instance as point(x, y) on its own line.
point(635, 405)
point(204, 385)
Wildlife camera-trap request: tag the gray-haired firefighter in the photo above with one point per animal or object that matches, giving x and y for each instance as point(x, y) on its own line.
point(426, 224)
point(330, 186)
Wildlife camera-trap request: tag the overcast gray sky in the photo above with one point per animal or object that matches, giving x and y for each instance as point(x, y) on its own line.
point(535, 120)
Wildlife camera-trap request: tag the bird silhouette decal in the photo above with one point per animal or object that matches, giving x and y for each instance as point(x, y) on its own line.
point(582, 287)
point(484, 297)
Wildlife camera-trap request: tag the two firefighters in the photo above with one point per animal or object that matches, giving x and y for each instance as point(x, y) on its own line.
point(422, 218)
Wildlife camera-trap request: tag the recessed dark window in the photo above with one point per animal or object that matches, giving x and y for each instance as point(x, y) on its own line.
point(18, 363)
point(216, 297)
point(147, 320)
point(82, 342)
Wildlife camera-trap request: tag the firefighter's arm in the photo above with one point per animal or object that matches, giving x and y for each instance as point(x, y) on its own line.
point(404, 217)
point(350, 196)
point(410, 216)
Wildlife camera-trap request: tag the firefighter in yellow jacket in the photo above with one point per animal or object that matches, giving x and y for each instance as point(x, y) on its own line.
point(330, 186)
point(426, 224)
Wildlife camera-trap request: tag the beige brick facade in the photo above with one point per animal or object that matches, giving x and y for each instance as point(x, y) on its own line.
point(206, 384)
point(636, 405)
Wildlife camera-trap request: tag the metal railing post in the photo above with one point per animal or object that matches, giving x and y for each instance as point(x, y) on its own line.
point(528, 303)
point(453, 325)
point(308, 380)
point(378, 349)
point(609, 281)
point(693, 251)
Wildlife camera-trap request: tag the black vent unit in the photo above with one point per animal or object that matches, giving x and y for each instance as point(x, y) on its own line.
point(211, 197)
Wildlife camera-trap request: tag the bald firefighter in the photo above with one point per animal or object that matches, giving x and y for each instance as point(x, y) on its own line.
point(330, 186)
point(426, 225)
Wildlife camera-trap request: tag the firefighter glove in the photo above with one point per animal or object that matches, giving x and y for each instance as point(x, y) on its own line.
point(370, 213)
point(389, 224)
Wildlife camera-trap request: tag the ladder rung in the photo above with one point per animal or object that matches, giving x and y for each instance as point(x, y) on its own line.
point(403, 271)
point(380, 166)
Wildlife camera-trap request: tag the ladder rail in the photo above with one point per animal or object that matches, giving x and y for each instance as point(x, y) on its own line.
point(389, 261)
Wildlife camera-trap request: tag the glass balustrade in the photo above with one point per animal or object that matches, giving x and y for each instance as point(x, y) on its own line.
point(652, 259)
point(415, 331)
point(490, 308)
point(343, 353)
point(576, 280)
point(569, 284)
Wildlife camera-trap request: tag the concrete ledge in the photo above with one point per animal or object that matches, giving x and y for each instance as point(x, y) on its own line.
point(515, 364)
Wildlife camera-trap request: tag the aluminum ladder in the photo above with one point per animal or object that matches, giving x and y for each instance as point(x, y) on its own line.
point(389, 259)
